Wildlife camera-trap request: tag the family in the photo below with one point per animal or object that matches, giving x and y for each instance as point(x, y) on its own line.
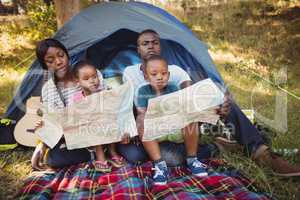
point(151, 78)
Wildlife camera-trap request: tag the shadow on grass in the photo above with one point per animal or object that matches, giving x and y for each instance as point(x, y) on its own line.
point(15, 167)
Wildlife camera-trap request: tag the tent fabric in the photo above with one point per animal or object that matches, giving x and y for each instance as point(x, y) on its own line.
point(106, 33)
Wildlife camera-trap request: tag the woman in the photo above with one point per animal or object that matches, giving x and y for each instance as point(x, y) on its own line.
point(56, 94)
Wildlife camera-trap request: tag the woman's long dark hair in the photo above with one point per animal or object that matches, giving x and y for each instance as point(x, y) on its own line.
point(44, 45)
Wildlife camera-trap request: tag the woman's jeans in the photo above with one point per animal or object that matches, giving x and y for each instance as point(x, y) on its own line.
point(60, 156)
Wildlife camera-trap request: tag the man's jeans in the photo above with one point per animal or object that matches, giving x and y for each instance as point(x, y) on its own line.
point(245, 132)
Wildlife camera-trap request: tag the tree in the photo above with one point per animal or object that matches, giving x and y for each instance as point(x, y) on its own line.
point(65, 10)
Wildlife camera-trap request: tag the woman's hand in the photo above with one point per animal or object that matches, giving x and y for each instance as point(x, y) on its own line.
point(38, 124)
point(37, 157)
point(125, 138)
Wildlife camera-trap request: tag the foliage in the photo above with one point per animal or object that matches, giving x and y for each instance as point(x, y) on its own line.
point(42, 21)
point(39, 22)
point(17, 38)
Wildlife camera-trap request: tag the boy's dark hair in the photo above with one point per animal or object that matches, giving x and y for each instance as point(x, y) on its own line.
point(146, 31)
point(44, 45)
point(155, 57)
point(81, 64)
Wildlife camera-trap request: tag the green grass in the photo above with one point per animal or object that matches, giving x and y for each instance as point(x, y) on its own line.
point(16, 52)
point(251, 41)
point(14, 168)
point(243, 37)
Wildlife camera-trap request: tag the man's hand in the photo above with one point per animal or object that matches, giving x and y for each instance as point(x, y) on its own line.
point(224, 109)
point(185, 84)
point(37, 157)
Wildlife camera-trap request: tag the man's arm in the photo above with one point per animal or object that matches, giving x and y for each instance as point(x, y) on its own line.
point(185, 84)
point(124, 75)
point(179, 76)
point(224, 108)
point(128, 74)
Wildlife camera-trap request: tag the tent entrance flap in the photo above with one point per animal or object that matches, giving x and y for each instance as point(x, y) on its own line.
point(112, 54)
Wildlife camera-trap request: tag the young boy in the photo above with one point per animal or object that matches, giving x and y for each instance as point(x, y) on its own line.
point(157, 74)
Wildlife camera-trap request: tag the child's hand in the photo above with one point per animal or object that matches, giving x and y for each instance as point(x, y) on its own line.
point(125, 138)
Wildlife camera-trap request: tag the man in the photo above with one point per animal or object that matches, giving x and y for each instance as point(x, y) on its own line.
point(246, 134)
point(173, 153)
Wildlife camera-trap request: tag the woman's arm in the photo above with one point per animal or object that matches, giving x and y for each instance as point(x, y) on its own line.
point(40, 149)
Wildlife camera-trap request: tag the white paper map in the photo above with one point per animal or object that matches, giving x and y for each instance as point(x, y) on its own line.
point(168, 113)
point(100, 118)
point(52, 131)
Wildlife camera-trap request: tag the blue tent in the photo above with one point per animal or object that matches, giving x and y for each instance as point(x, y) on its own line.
point(106, 34)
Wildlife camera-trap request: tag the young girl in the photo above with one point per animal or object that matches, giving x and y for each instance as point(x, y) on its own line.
point(90, 80)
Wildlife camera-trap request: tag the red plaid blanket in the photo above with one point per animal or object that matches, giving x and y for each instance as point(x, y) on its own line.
point(131, 182)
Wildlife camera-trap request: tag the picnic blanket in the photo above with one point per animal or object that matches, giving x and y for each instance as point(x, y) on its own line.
point(135, 182)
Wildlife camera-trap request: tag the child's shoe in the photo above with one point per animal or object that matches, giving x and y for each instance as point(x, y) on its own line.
point(102, 166)
point(117, 161)
point(160, 176)
point(197, 168)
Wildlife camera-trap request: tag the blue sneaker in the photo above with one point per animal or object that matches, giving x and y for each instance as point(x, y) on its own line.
point(160, 176)
point(198, 168)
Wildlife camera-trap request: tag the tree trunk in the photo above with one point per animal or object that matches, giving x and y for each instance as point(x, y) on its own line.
point(65, 10)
